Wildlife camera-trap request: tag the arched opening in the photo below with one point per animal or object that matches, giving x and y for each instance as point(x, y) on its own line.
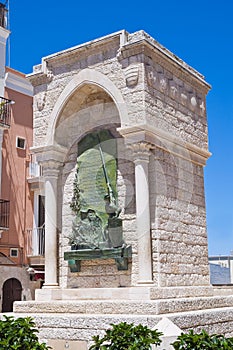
point(84, 108)
point(98, 165)
point(88, 108)
point(12, 290)
point(88, 88)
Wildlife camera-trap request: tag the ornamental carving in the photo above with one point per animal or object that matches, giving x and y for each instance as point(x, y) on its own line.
point(132, 75)
point(175, 88)
point(40, 101)
point(141, 150)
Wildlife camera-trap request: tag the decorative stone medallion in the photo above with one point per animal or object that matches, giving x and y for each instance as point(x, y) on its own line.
point(131, 75)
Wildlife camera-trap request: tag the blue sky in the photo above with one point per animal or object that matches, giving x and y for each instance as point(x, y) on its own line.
point(199, 32)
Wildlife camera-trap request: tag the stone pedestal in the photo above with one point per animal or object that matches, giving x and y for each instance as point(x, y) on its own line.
point(89, 311)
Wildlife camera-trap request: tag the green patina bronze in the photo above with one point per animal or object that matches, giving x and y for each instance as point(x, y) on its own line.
point(96, 228)
point(121, 256)
point(90, 184)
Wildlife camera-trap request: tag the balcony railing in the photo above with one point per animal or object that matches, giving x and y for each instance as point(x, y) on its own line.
point(4, 214)
point(36, 241)
point(5, 111)
point(34, 170)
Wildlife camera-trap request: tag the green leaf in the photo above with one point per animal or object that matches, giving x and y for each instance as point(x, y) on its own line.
point(202, 341)
point(127, 336)
point(19, 334)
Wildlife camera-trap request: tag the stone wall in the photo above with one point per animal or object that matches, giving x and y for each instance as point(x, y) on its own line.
point(179, 238)
point(81, 328)
point(175, 105)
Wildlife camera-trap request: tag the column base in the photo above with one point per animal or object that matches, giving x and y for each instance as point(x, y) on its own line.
point(146, 283)
point(51, 286)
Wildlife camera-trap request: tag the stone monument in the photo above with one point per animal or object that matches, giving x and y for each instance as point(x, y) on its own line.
point(122, 126)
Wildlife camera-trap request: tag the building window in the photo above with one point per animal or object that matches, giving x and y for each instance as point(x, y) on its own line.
point(14, 252)
point(20, 142)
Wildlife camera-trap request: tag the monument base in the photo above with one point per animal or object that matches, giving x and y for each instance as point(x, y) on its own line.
point(78, 314)
point(131, 302)
point(144, 293)
point(78, 321)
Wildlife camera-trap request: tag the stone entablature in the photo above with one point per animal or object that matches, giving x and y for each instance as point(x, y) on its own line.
point(124, 41)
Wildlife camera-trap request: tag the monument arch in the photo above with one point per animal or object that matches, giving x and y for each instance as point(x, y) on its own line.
point(153, 104)
point(84, 78)
point(89, 104)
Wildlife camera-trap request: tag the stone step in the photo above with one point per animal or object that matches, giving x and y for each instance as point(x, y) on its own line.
point(136, 307)
point(128, 293)
point(73, 326)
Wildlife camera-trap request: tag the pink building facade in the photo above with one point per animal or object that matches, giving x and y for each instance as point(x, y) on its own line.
point(17, 195)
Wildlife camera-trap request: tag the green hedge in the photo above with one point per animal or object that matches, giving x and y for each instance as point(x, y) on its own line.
point(124, 336)
point(202, 341)
point(19, 334)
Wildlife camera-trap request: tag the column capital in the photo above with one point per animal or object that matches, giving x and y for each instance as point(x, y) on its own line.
point(51, 158)
point(141, 150)
point(49, 152)
point(51, 168)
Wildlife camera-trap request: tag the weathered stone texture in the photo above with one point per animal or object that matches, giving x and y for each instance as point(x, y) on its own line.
point(99, 273)
point(179, 237)
point(83, 327)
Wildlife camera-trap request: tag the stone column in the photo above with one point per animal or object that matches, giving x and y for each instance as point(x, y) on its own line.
point(50, 173)
point(141, 153)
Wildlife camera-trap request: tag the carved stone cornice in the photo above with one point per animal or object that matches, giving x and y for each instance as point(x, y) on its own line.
point(186, 94)
point(178, 68)
point(87, 48)
point(141, 42)
point(163, 140)
point(51, 156)
point(4, 33)
point(42, 73)
point(39, 78)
